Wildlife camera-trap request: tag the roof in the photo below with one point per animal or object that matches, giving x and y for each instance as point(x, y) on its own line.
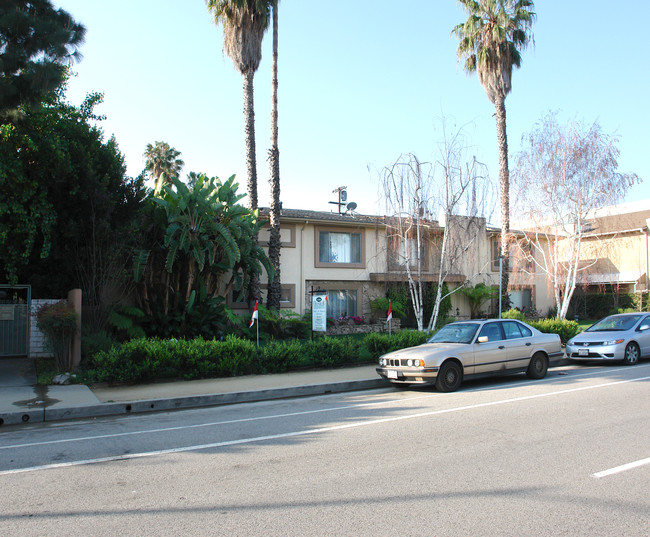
point(323, 216)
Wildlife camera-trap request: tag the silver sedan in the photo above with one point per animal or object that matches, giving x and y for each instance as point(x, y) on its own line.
point(624, 337)
point(472, 349)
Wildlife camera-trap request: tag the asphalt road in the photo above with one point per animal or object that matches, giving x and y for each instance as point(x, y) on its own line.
point(568, 455)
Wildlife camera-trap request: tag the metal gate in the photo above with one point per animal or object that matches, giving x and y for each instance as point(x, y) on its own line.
point(15, 305)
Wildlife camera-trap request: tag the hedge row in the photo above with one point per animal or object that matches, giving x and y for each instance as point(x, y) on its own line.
point(142, 360)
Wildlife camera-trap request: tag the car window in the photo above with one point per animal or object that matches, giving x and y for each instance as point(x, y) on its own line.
point(492, 331)
point(455, 333)
point(615, 323)
point(512, 330)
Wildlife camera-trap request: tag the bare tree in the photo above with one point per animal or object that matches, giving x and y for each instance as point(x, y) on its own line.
point(413, 193)
point(562, 176)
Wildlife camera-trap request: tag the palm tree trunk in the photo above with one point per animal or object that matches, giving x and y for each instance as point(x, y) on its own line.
point(504, 183)
point(274, 293)
point(249, 130)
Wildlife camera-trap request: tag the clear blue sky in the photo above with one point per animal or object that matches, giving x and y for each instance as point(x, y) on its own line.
point(360, 82)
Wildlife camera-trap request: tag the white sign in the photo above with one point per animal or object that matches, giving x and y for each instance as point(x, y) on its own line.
point(318, 313)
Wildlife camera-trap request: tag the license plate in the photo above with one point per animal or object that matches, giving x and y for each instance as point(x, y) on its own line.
point(583, 352)
point(391, 374)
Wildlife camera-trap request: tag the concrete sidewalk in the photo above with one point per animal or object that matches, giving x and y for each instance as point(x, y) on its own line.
point(21, 401)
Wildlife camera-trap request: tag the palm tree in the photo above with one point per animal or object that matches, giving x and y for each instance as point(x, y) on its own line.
point(244, 23)
point(162, 163)
point(490, 43)
point(275, 287)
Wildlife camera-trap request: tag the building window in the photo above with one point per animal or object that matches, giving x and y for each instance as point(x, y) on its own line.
point(522, 299)
point(342, 303)
point(402, 251)
point(520, 256)
point(339, 248)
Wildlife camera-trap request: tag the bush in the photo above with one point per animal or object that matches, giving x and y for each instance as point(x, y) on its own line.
point(514, 314)
point(278, 357)
point(330, 352)
point(562, 327)
point(58, 322)
point(378, 344)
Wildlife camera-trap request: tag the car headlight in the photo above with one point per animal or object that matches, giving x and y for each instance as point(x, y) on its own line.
point(409, 363)
point(614, 342)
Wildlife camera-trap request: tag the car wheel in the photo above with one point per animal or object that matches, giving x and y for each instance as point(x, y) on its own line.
point(538, 366)
point(449, 377)
point(631, 354)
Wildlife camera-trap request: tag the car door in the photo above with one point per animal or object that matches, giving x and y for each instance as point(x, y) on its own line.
point(518, 344)
point(490, 355)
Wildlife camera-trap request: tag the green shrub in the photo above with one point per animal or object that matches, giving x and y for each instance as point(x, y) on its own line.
point(378, 344)
point(280, 356)
point(514, 314)
point(562, 327)
point(329, 351)
point(58, 322)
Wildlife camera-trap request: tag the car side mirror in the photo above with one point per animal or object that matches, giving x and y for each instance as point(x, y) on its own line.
point(483, 339)
point(644, 327)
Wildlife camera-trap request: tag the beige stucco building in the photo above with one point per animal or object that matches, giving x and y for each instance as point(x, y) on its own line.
point(355, 257)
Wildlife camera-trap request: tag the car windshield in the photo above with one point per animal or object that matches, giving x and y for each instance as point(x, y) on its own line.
point(455, 333)
point(615, 323)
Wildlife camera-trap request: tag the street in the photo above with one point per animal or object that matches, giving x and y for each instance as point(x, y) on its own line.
point(567, 455)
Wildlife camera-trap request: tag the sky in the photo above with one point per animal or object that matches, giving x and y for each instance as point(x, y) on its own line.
point(360, 83)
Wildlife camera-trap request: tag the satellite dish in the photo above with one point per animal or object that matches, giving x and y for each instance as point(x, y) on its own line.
point(351, 206)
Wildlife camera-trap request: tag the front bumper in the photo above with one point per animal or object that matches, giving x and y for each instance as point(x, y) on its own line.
point(595, 352)
point(409, 375)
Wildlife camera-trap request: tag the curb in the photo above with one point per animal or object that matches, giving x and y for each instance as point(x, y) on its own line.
point(177, 403)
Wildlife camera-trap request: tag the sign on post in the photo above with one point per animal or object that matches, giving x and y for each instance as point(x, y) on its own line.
point(319, 313)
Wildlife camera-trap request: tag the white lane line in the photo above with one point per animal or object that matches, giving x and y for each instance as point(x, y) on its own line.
point(622, 468)
point(312, 431)
point(280, 416)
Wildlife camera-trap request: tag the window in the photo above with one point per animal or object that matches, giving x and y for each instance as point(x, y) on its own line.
point(492, 331)
point(515, 330)
point(522, 298)
point(520, 255)
point(342, 303)
point(339, 248)
point(402, 250)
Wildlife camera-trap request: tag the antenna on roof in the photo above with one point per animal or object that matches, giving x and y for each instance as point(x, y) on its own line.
point(343, 197)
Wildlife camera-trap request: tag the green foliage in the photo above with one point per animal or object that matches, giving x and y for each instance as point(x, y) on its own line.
point(125, 320)
point(58, 322)
point(37, 42)
point(598, 305)
point(331, 352)
point(378, 344)
point(514, 314)
point(143, 360)
point(67, 209)
point(280, 356)
point(565, 329)
point(379, 307)
point(199, 241)
point(477, 295)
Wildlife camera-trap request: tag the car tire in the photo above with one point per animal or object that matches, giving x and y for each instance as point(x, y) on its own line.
point(632, 354)
point(449, 377)
point(538, 366)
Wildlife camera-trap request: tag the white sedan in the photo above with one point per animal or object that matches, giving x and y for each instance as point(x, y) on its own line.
point(471, 349)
